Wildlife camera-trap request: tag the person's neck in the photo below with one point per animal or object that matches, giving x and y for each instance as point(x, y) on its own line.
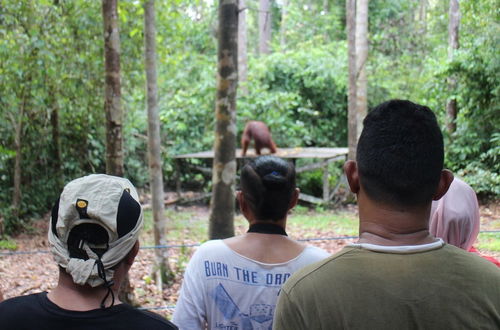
point(266, 248)
point(70, 296)
point(268, 227)
point(392, 225)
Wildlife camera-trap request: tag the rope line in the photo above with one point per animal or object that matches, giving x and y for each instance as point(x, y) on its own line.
point(169, 246)
point(172, 307)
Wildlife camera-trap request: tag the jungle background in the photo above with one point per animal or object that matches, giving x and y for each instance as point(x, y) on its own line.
point(51, 85)
point(52, 96)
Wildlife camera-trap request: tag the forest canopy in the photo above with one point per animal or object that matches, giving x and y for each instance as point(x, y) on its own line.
point(52, 78)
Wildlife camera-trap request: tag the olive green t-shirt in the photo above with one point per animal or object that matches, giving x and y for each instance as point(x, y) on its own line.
point(358, 288)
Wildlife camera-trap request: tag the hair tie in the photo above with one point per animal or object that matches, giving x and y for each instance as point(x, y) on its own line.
point(275, 173)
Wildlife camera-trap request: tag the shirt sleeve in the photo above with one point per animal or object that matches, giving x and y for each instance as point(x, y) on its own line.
point(190, 312)
point(287, 315)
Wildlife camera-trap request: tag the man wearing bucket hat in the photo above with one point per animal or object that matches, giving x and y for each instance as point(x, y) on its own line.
point(94, 231)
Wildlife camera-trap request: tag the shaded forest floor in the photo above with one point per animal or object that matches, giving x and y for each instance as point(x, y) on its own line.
point(29, 273)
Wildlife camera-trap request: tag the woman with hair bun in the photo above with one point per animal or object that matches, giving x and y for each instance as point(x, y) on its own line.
point(234, 283)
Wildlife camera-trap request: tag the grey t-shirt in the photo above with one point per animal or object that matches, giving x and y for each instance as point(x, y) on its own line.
point(225, 290)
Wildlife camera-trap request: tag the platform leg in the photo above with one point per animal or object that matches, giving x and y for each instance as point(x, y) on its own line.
point(178, 177)
point(326, 182)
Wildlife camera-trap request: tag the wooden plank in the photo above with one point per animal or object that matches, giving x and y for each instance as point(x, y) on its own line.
point(293, 153)
point(310, 199)
point(310, 167)
point(324, 155)
point(205, 170)
point(321, 164)
point(326, 185)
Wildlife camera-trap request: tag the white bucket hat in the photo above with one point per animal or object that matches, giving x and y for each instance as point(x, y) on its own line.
point(111, 203)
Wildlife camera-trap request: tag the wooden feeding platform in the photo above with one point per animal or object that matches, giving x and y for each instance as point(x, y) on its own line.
point(323, 157)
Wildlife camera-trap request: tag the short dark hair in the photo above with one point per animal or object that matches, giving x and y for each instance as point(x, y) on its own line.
point(267, 184)
point(91, 233)
point(400, 154)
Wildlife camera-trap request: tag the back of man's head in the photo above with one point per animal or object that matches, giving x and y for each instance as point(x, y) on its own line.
point(94, 225)
point(400, 154)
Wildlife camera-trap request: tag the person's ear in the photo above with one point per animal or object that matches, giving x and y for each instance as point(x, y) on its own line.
point(295, 199)
point(241, 201)
point(130, 257)
point(444, 183)
point(244, 208)
point(352, 175)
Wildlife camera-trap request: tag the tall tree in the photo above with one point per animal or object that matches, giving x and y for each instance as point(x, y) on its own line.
point(453, 25)
point(326, 6)
point(17, 123)
point(422, 14)
point(265, 23)
point(23, 96)
point(352, 135)
point(162, 270)
point(224, 166)
point(112, 103)
point(242, 46)
point(361, 59)
point(113, 109)
point(56, 140)
point(284, 14)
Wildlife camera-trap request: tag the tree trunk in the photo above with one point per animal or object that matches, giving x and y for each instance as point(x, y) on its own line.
point(242, 47)
point(112, 104)
point(352, 135)
point(162, 269)
point(224, 166)
point(325, 11)
point(326, 6)
point(422, 15)
point(56, 141)
point(17, 122)
point(284, 13)
point(113, 110)
point(264, 26)
point(361, 58)
point(454, 22)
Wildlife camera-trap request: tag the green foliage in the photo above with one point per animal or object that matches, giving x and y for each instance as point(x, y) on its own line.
point(311, 182)
point(7, 244)
point(401, 68)
point(394, 29)
point(489, 241)
point(182, 226)
point(474, 149)
point(51, 62)
point(297, 90)
point(320, 21)
point(309, 223)
point(186, 109)
point(484, 173)
point(36, 77)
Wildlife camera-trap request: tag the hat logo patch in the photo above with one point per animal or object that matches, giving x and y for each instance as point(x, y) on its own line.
point(81, 204)
point(81, 207)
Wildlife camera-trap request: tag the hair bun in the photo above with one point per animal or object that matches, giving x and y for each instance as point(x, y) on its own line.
point(274, 179)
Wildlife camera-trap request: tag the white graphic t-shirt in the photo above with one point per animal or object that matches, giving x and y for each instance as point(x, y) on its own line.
point(225, 290)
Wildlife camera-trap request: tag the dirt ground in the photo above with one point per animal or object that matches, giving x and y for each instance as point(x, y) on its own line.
point(23, 274)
